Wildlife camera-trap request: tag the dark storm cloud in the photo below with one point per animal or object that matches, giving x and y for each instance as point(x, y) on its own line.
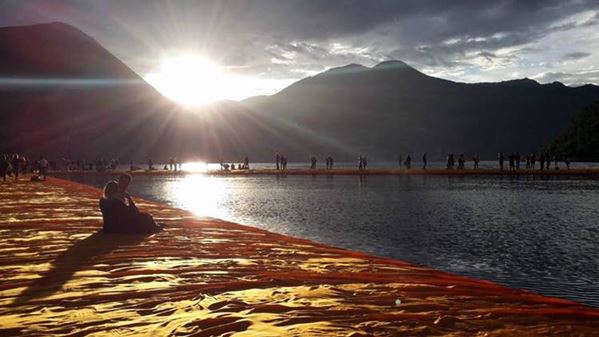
point(576, 55)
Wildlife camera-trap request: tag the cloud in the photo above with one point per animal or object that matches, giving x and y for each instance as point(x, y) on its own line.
point(576, 55)
point(465, 39)
point(573, 79)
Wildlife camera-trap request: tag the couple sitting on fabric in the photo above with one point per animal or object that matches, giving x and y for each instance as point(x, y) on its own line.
point(120, 214)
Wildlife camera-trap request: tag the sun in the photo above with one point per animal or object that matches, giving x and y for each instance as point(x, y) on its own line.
point(193, 80)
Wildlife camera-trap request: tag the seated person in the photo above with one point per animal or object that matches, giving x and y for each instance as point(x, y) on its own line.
point(121, 218)
point(122, 194)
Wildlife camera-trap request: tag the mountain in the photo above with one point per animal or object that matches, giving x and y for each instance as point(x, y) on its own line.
point(63, 95)
point(580, 139)
point(392, 109)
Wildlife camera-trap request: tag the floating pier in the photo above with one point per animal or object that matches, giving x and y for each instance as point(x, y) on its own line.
point(61, 276)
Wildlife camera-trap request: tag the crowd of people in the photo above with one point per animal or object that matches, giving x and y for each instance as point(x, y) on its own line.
point(15, 165)
point(515, 161)
point(241, 166)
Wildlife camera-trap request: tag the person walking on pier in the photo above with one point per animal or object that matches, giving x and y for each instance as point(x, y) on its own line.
point(150, 165)
point(518, 160)
point(3, 166)
point(501, 160)
point(567, 162)
point(313, 162)
point(408, 162)
point(365, 162)
point(43, 167)
point(278, 161)
point(542, 161)
point(476, 160)
point(461, 162)
point(511, 161)
point(15, 164)
point(450, 161)
point(424, 161)
point(331, 162)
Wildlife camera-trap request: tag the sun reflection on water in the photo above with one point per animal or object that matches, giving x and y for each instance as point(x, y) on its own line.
point(200, 194)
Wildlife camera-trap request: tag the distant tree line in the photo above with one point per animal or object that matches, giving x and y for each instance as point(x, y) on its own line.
point(580, 140)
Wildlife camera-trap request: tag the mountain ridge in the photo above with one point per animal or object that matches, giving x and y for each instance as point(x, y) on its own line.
point(381, 111)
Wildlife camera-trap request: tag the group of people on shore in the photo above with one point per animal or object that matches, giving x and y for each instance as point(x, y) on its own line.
point(241, 166)
point(514, 160)
point(18, 164)
point(281, 162)
point(544, 159)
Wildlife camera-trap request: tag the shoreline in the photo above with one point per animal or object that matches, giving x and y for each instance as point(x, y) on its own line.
point(205, 276)
point(590, 172)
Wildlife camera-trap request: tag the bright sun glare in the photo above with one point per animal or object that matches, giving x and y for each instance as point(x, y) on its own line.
point(189, 79)
point(193, 81)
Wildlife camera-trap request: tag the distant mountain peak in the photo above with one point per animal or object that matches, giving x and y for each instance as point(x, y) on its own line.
point(56, 49)
point(523, 82)
point(393, 64)
point(352, 67)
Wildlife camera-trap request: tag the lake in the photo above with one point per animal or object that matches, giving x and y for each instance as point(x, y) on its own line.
point(531, 233)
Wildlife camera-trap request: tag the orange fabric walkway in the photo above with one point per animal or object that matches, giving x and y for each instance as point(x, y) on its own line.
point(59, 276)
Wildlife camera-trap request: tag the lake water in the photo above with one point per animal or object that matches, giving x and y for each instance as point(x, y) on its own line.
point(531, 233)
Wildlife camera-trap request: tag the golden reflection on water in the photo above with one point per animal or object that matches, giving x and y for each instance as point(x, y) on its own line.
point(200, 194)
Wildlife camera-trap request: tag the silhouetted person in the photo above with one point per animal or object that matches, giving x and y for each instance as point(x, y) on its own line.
point(567, 162)
point(476, 160)
point(313, 163)
point(278, 161)
point(542, 161)
point(424, 161)
point(246, 163)
point(518, 159)
point(16, 163)
point(43, 167)
point(408, 162)
point(121, 218)
point(533, 161)
point(360, 162)
point(511, 159)
point(548, 159)
point(501, 160)
point(329, 162)
point(23, 163)
point(150, 165)
point(365, 160)
point(3, 166)
point(461, 162)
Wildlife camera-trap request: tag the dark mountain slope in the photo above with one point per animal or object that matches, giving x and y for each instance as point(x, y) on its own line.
point(63, 94)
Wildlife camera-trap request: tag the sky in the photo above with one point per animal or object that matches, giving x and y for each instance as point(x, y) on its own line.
point(265, 45)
